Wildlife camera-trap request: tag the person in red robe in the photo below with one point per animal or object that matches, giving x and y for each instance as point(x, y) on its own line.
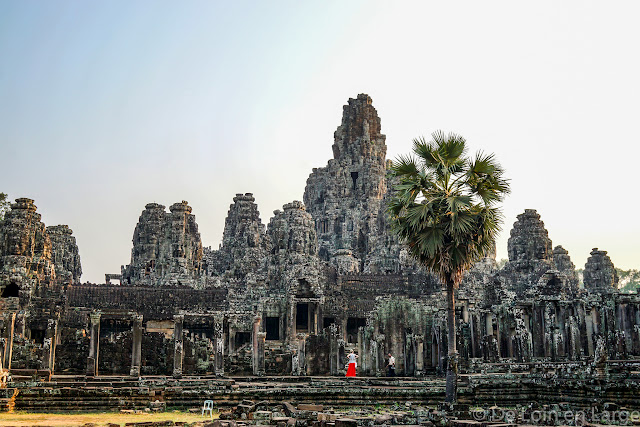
point(351, 368)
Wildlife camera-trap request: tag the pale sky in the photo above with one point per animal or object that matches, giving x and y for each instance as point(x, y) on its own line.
point(107, 106)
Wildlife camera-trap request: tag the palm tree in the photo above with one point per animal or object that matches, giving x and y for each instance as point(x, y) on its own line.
point(445, 210)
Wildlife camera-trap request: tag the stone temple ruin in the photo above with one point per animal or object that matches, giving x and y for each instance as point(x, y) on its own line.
point(292, 298)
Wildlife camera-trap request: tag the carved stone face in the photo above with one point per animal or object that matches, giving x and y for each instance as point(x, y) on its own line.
point(296, 241)
point(17, 243)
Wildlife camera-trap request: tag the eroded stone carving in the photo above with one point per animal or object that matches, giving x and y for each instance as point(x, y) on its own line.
point(65, 254)
point(166, 247)
point(599, 272)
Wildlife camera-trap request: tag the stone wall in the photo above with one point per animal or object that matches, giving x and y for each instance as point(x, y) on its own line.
point(153, 303)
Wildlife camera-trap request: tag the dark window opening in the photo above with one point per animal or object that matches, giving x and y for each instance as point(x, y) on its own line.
point(302, 317)
point(111, 327)
point(323, 254)
point(554, 284)
point(272, 327)
point(353, 323)
point(242, 338)
point(362, 242)
point(354, 177)
point(11, 291)
point(37, 335)
point(327, 321)
point(200, 332)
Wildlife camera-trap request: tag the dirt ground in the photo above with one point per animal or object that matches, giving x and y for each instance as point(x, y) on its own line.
point(97, 419)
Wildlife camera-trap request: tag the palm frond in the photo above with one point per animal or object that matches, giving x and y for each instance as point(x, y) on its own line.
point(444, 205)
point(405, 166)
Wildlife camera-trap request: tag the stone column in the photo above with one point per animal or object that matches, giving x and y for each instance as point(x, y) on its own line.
point(636, 332)
point(10, 320)
point(360, 347)
point(364, 346)
point(488, 337)
point(509, 335)
point(341, 362)
point(302, 356)
point(333, 349)
point(257, 347)
point(409, 364)
point(318, 318)
point(343, 329)
point(381, 356)
point(435, 357)
point(373, 351)
point(218, 326)
point(20, 327)
point(310, 317)
point(472, 335)
point(628, 327)
point(232, 340)
point(499, 331)
point(136, 350)
point(595, 320)
point(49, 346)
point(489, 322)
point(419, 355)
point(561, 328)
point(258, 353)
point(282, 327)
point(178, 352)
point(291, 321)
point(94, 345)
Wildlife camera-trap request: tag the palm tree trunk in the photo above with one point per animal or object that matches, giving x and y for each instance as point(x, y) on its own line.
point(452, 357)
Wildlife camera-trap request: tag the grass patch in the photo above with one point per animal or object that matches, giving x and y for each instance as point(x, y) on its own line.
point(20, 418)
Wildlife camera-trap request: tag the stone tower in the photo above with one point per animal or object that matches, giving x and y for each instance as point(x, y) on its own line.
point(244, 243)
point(599, 273)
point(529, 242)
point(530, 253)
point(345, 197)
point(25, 252)
point(65, 254)
point(166, 247)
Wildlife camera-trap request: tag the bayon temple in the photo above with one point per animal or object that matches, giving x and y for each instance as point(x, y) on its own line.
point(292, 298)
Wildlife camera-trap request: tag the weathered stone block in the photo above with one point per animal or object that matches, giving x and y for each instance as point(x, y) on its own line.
point(346, 422)
point(310, 407)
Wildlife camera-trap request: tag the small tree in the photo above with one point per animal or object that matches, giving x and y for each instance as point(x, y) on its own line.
point(445, 211)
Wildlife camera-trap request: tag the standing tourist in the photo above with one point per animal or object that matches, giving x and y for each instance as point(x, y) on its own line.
point(391, 365)
point(351, 369)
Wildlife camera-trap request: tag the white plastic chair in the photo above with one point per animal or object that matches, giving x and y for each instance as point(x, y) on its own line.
point(208, 406)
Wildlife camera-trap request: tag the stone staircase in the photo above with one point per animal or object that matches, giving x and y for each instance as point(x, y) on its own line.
point(8, 399)
point(77, 393)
